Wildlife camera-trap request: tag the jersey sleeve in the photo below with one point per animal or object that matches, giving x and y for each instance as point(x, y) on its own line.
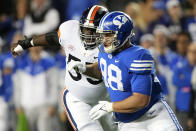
point(60, 31)
point(66, 30)
point(143, 63)
point(141, 67)
point(141, 84)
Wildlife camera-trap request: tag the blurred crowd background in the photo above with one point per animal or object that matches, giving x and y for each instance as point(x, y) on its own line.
point(31, 84)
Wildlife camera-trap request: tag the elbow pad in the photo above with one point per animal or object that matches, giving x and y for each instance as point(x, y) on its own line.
point(52, 38)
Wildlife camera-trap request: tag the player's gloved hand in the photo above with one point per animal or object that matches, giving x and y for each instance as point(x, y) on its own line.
point(77, 66)
point(21, 45)
point(100, 110)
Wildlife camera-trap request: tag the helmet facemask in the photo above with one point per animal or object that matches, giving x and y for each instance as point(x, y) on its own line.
point(89, 37)
point(110, 42)
point(115, 44)
point(88, 24)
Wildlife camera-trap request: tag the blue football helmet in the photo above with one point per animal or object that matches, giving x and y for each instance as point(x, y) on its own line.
point(118, 23)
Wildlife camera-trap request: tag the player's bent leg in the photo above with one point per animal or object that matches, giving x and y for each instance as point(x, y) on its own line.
point(78, 113)
point(165, 119)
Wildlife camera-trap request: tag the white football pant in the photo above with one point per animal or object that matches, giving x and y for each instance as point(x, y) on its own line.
point(159, 117)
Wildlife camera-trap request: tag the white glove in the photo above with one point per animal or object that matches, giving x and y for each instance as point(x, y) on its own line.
point(77, 66)
point(18, 49)
point(100, 110)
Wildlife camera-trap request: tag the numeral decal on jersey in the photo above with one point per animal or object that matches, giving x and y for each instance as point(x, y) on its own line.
point(112, 75)
point(78, 76)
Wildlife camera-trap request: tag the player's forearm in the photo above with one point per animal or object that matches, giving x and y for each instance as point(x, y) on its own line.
point(92, 70)
point(48, 39)
point(131, 104)
point(40, 40)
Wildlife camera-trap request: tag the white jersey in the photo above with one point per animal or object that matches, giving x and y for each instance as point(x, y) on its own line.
point(85, 88)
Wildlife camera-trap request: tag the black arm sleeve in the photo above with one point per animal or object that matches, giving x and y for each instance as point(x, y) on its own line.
point(52, 38)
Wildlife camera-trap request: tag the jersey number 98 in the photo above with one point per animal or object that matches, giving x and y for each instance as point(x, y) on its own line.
point(112, 75)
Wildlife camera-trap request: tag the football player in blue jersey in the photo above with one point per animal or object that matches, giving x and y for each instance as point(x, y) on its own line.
point(129, 75)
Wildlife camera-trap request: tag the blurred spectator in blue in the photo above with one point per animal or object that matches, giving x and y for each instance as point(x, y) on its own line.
point(21, 11)
point(76, 7)
point(18, 20)
point(147, 41)
point(159, 12)
point(41, 19)
point(60, 60)
point(175, 17)
point(165, 58)
point(182, 80)
point(183, 41)
point(176, 21)
point(191, 24)
point(35, 90)
point(146, 15)
point(6, 89)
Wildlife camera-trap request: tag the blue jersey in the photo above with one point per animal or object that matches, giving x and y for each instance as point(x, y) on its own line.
point(34, 68)
point(131, 70)
point(182, 80)
point(6, 88)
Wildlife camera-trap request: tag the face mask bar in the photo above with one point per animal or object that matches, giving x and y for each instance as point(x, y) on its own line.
point(89, 37)
point(114, 41)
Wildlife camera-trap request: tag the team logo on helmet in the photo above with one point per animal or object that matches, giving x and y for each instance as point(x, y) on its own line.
point(120, 20)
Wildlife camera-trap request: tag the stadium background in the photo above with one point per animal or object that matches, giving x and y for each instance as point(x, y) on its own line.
point(166, 27)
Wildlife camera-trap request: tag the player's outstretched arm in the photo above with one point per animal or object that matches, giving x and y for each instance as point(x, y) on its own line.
point(48, 39)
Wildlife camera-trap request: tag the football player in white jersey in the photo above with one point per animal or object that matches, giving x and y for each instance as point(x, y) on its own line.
point(78, 38)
